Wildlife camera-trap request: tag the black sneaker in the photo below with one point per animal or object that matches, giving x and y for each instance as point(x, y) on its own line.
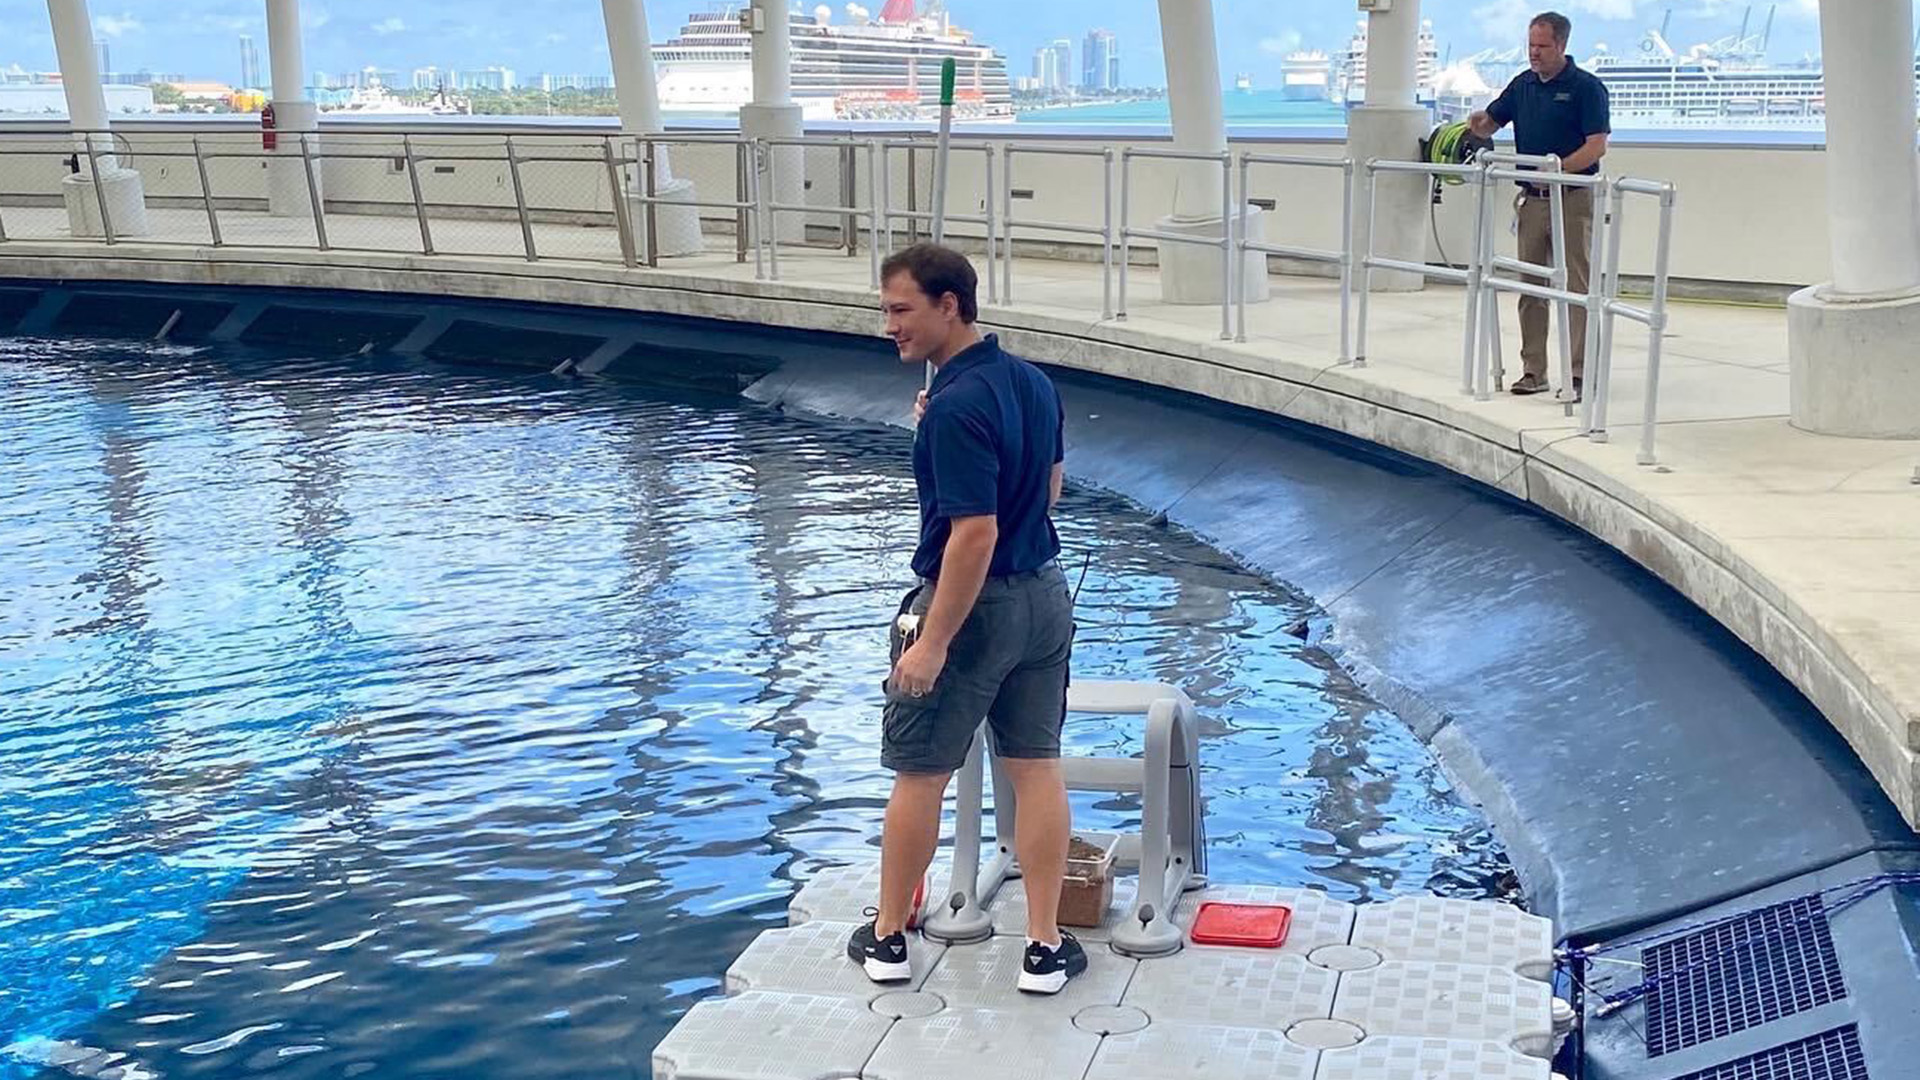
point(884, 959)
point(1046, 970)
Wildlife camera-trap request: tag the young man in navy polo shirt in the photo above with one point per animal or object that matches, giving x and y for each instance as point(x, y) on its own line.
point(992, 616)
point(1555, 107)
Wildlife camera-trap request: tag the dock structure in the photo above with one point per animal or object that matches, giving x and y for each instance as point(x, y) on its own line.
point(1417, 987)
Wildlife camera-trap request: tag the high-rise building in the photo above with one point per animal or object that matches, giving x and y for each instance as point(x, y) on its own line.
point(426, 78)
point(491, 78)
point(548, 83)
point(1053, 65)
point(106, 64)
point(249, 64)
point(1100, 61)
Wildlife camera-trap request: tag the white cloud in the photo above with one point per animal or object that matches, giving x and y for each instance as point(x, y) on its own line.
point(392, 24)
point(555, 39)
point(315, 18)
point(857, 13)
point(1504, 21)
point(1281, 44)
point(114, 26)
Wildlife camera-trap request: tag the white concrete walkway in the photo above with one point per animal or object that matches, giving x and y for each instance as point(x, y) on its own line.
point(1807, 547)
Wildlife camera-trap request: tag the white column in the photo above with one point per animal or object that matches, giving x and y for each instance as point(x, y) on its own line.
point(1389, 126)
point(1873, 188)
point(773, 115)
point(638, 92)
point(287, 178)
point(633, 79)
point(87, 111)
point(1393, 41)
point(1190, 274)
point(1192, 59)
point(1850, 340)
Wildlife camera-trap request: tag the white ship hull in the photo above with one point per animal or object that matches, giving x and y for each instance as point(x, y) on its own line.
point(875, 71)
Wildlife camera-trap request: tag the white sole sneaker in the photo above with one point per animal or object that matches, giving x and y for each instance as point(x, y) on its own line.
point(1051, 983)
point(882, 972)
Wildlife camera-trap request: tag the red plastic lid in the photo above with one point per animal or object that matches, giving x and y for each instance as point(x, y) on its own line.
point(1253, 926)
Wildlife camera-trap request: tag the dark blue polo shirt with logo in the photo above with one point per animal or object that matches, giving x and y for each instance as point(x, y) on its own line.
point(987, 445)
point(1554, 116)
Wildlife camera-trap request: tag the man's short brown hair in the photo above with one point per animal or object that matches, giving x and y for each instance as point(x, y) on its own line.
point(937, 270)
point(1561, 26)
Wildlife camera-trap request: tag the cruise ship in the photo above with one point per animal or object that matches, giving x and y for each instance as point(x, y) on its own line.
point(1353, 67)
point(1306, 75)
point(884, 68)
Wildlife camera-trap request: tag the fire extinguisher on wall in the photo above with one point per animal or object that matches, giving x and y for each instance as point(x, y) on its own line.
point(268, 139)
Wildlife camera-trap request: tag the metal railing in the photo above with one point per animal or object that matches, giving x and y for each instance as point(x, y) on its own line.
point(1105, 231)
point(1229, 281)
point(1545, 172)
point(771, 207)
point(913, 215)
point(401, 189)
point(1342, 258)
point(1653, 316)
point(1469, 277)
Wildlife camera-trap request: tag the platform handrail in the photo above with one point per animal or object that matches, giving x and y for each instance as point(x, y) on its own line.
point(1469, 277)
point(1172, 839)
point(987, 219)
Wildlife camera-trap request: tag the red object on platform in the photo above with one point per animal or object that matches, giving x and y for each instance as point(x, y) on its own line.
point(1249, 926)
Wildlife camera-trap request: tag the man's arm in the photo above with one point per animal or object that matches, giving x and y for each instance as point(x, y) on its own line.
point(963, 569)
point(1055, 483)
point(1482, 123)
point(1590, 151)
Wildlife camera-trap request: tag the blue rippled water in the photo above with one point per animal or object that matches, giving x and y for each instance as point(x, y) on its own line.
point(368, 718)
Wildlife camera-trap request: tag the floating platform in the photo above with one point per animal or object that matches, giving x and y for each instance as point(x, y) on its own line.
point(1418, 988)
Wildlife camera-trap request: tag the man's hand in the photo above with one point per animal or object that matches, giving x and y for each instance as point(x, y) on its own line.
point(918, 668)
point(919, 406)
point(1481, 124)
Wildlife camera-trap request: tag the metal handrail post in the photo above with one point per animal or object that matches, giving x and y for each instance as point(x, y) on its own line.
point(419, 200)
point(1120, 313)
point(768, 219)
point(1656, 327)
point(520, 203)
point(873, 212)
point(206, 192)
point(1006, 221)
point(1557, 209)
point(313, 194)
point(1107, 252)
point(740, 196)
point(993, 288)
point(1477, 254)
point(1346, 261)
point(1366, 274)
point(99, 190)
point(849, 223)
point(1239, 184)
point(750, 213)
point(913, 194)
point(622, 213)
point(651, 187)
point(1599, 375)
point(1227, 235)
point(1614, 235)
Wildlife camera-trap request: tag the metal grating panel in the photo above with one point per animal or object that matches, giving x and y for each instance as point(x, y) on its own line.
point(1830, 1055)
point(1773, 963)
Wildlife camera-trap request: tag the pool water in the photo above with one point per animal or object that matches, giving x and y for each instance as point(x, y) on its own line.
point(366, 717)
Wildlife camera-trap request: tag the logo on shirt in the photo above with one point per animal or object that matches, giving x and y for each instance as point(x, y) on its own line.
point(1564, 95)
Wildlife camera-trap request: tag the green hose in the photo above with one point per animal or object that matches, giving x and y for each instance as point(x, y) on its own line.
point(1448, 147)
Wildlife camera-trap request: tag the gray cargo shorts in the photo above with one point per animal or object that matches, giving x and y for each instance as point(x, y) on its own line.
point(1007, 665)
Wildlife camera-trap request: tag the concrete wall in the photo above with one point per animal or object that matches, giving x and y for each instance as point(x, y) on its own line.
point(1735, 226)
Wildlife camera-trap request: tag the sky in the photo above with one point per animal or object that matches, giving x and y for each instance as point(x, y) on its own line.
point(199, 38)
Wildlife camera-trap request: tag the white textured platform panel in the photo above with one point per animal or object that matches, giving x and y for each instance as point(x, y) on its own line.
point(1418, 988)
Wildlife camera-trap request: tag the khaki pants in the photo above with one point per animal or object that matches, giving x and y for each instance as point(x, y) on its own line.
point(1536, 246)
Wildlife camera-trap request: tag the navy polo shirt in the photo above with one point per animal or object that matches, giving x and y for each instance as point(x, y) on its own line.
point(987, 444)
point(1554, 116)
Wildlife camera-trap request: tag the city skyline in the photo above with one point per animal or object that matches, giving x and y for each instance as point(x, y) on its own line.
point(197, 36)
